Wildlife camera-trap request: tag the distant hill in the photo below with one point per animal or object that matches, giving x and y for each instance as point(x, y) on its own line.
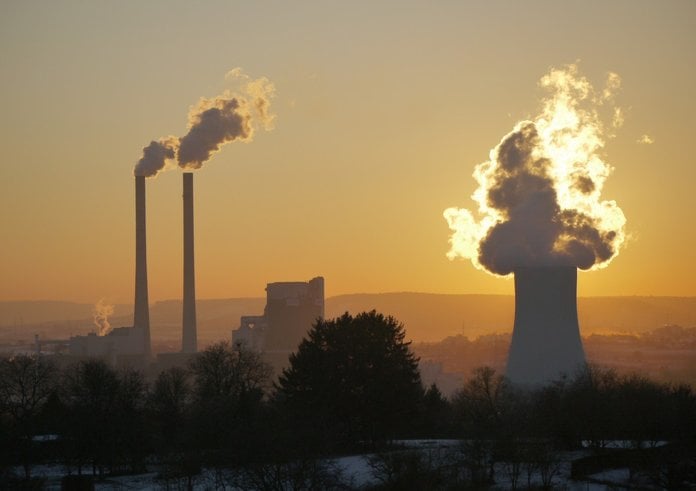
point(431, 317)
point(427, 317)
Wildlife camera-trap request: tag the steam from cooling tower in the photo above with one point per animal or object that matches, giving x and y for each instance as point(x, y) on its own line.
point(231, 116)
point(100, 314)
point(539, 194)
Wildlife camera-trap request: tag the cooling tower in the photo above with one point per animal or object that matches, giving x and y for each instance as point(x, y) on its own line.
point(546, 337)
point(141, 309)
point(189, 342)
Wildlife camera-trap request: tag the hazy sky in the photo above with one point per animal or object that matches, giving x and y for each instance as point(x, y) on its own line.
point(383, 110)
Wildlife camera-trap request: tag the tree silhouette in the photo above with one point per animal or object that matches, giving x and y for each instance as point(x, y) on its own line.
point(483, 402)
point(352, 380)
point(228, 387)
point(168, 407)
point(26, 382)
point(104, 423)
point(436, 415)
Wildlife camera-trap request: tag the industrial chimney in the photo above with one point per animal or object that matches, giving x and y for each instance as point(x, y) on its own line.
point(546, 337)
point(189, 343)
point(141, 310)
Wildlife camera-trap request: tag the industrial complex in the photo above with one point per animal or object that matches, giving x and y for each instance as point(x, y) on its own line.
point(291, 309)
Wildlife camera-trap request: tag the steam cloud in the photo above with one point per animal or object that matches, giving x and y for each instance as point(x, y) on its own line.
point(539, 194)
point(101, 314)
point(212, 123)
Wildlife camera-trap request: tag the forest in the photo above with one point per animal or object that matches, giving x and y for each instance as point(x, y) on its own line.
point(353, 387)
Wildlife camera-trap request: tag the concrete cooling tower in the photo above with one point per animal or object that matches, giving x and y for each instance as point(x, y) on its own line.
point(546, 336)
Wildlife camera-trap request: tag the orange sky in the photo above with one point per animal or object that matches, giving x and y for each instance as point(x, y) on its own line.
point(382, 113)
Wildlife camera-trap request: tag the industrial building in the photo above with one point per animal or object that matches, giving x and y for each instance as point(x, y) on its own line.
point(123, 346)
point(291, 310)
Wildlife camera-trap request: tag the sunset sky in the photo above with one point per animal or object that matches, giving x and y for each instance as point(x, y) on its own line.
point(383, 109)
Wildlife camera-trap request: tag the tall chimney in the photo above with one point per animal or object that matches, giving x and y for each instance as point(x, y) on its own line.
point(141, 310)
point(546, 336)
point(189, 343)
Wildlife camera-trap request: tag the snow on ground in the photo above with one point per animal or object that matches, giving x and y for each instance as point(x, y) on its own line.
point(612, 476)
point(625, 444)
point(355, 469)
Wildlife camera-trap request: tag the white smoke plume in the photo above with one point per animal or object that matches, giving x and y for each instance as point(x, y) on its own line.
point(231, 116)
point(539, 194)
point(100, 314)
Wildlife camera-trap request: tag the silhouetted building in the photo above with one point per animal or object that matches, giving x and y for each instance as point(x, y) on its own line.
point(120, 346)
point(291, 310)
point(251, 332)
point(546, 336)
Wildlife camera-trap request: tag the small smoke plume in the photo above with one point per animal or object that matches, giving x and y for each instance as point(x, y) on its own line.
point(645, 140)
point(100, 314)
point(213, 122)
point(156, 156)
point(539, 194)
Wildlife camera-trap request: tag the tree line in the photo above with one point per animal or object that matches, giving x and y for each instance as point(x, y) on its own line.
point(352, 386)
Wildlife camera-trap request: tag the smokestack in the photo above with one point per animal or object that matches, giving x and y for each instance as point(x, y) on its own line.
point(546, 337)
point(141, 312)
point(189, 343)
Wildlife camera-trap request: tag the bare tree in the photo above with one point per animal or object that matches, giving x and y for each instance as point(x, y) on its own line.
point(26, 382)
point(229, 384)
point(223, 370)
point(296, 475)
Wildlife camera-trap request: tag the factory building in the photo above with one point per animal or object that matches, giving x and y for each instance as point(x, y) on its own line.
point(291, 310)
point(123, 346)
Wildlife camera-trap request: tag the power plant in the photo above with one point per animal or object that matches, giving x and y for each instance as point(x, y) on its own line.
point(228, 117)
point(546, 340)
point(125, 343)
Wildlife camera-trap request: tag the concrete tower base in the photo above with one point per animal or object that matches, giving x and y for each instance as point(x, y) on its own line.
point(546, 340)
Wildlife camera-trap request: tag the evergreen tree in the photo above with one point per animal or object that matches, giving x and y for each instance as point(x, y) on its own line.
point(353, 380)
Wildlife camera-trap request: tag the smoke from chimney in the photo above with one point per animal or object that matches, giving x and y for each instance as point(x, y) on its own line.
point(189, 341)
point(539, 194)
point(156, 156)
point(213, 122)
